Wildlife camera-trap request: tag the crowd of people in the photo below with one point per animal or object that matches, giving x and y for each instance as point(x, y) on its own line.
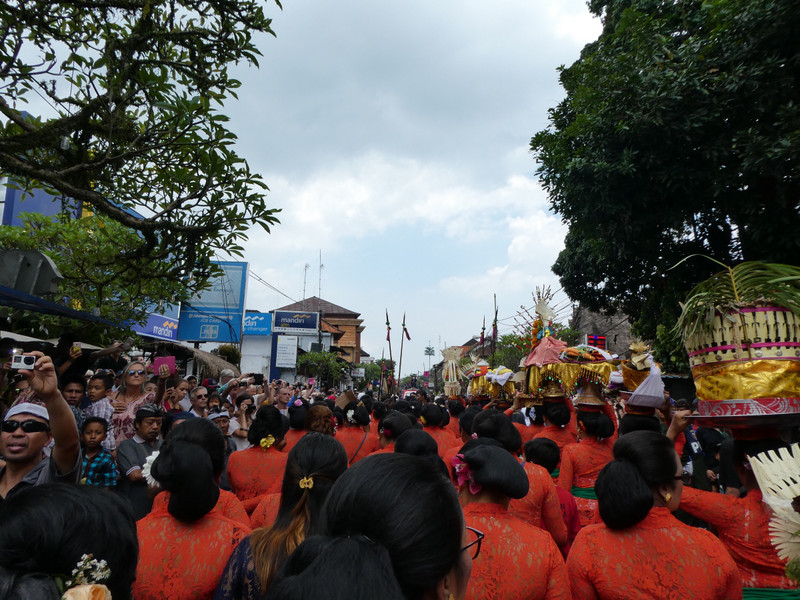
point(159, 486)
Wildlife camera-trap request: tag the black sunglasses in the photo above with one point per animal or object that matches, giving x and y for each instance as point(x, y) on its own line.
point(29, 426)
point(479, 535)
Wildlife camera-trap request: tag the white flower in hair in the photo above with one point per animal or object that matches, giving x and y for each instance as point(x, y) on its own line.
point(351, 416)
point(148, 465)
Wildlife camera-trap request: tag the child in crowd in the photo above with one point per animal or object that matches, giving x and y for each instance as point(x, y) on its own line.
point(99, 391)
point(98, 465)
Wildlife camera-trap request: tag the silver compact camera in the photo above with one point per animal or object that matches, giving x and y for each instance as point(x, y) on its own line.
point(22, 361)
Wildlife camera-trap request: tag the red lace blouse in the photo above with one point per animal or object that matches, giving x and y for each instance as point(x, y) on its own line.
point(351, 438)
point(255, 472)
point(580, 465)
point(659, 558)
point(743, 526)
point(266, 512)
point(182, 561)
point(517, 561)
point(541, 506)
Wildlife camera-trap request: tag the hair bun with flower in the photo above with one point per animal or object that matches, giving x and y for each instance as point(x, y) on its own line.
point(306, 483)
point(464, 475)
point(267, 442)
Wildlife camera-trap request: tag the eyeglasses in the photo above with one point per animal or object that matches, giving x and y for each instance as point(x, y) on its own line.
point(18, 390)
point(29, 426)
point(136, 372)
point(479, 535)
point(201, 395)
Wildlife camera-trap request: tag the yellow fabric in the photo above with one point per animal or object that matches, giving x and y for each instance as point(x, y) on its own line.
point(748, 379)
point(569, 374)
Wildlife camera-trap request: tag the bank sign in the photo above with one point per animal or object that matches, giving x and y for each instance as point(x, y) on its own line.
point(257, 324)
point(286, 321)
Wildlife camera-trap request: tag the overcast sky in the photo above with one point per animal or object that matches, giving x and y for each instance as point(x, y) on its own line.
point(394, 137)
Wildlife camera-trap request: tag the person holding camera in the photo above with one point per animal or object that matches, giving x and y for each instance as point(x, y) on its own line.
point(28, 428)
point(240, 424)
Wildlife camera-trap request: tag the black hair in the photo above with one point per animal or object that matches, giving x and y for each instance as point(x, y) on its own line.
point(544, 452)
point(393, 425)
point(466, 419)
point(494, 468)
point(107, 380)
point(596, 424)
point(455, 408)
point(79, 379)
point(631, 422)
point(493, 424)
point(379, 410)
point(360, 415)
point(312, 572)
point(47, 528)
point(372, 498)
point(267, 421)
point(313, 464)
point(744, 448)
point(89, 420)
point(433, 415)
point(420, 443)
point(190, 459)
point(297, 414)
point(643, 460)
point(556, 412)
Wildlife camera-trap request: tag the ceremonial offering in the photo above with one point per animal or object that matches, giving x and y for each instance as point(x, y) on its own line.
point(741, 329)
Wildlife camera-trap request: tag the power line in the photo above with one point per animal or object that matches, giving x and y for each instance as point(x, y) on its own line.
point(269, 285)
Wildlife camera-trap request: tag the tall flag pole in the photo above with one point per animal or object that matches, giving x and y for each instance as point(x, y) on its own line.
point(402, 340)
point(483, 331)
point(383, 369)
point(494, 330)
point(391, 361)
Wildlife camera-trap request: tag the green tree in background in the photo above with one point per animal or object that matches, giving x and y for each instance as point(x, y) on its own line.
point(86, 252)
point(327, 367)
point(117, 105)
point(679, 135)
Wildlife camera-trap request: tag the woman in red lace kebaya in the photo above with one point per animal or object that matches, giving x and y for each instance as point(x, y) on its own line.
point(391, 427)
point(434, 419)
point(640, 550)
point(259, 469)
point(517, 560)
point(581, 463)
point(559, 424)
point(743, 523)
point(354, 432)
point(185, 542)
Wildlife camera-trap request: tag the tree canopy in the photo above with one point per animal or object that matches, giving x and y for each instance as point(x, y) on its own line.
point(678, 135)
point(117, 105)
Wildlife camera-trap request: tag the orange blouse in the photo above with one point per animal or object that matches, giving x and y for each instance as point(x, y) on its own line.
point(528, 432)
point(580, 465)
point(266, 512)
point(659, 558)
point(292, 437)
point(743, 526)
point(444, 439)
point(228, 506)
point(541, 506)
point(254, 472)
point(517, 561)
point(560, 435)
point(182, 561)
point(351, 438)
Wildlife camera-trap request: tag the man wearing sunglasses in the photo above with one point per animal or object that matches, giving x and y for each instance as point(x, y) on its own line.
point(27, 429)
point(199, 400)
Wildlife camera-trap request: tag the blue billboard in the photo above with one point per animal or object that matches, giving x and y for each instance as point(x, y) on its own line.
point(216, 314)
point(287, 321)
point(257, 324)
